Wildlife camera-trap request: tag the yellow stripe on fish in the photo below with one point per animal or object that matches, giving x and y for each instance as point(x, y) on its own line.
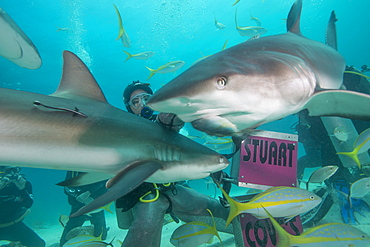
point(281, 201)
point(328, 235)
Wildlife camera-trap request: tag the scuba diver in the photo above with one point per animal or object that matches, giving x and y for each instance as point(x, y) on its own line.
point(78, 197)
point(142, 211)
point(15, 203)
point(321, 151)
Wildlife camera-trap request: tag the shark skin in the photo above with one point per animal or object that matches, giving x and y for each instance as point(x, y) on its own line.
point(15, 44)
point(76, 129)
point(260, 81)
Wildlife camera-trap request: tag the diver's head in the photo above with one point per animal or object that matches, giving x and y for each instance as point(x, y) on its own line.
point(135, 97)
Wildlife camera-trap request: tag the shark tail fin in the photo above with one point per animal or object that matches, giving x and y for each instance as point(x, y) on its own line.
point(294, 18)
point(331, 32)
point(152, 72)
point(284, 238)
point(128, 55)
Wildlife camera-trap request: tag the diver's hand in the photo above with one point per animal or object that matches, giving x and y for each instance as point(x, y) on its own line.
point(20, 182)
point(170, 121)
point(85, 198)
point(4, 181)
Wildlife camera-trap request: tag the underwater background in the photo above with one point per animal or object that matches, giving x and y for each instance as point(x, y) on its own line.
point(174, 30)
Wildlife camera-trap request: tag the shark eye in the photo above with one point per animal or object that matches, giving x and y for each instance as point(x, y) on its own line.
point(221, 82)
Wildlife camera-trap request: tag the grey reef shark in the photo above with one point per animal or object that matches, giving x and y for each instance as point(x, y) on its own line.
point(15, 44)
point(263, 80)
point(76, 129)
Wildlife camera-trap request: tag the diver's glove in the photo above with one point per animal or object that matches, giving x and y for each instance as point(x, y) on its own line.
point(170, 121)
point(85, 198)
point(20, 182)
point(4, 181)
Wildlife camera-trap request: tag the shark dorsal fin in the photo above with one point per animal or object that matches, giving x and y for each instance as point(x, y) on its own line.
point(77, 80)
point(331, 32)
point(294, 18)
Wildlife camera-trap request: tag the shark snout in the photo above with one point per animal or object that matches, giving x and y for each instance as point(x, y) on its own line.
point(170, 105)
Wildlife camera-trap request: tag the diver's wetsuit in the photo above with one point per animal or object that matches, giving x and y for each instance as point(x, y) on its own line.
point(14, 206)
point(145, 226)
point(97, 219)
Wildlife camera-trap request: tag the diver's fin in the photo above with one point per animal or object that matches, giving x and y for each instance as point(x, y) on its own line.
point(331, 32)
point(294, 18)
point(77, 80)
point(340, 103)
point(84, 179)
point(124, 182)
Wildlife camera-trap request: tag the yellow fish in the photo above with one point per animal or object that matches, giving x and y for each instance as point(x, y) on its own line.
point(166, 68)
point(194, 233)
point(121, 31)
point(360, 188)
point(361, 145)
point(320, 175)
point(328, 235)
point(281, 201)
point(140, 56)
point(81, 239)
point(250, 31)
point(218, 25)
point(258, 22)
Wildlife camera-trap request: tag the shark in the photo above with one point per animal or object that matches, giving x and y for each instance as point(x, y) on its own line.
point(75, 128)
point(262, 80)
point(15, 45)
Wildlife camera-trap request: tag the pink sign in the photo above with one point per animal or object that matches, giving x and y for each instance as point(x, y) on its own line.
point(268, 161)
point(261, 233)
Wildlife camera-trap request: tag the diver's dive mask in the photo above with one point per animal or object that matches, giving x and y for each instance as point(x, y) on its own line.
point(139, 100)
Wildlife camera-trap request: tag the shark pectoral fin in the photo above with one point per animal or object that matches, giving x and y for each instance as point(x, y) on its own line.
point(124, 182)
point(340, 103)
point(215, 125)
point(84, 179)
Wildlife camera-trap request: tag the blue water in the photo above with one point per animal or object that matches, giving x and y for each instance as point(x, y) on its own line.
point(174, 30)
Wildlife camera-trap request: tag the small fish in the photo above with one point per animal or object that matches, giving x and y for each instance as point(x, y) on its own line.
point(361, 145)
point(121, 31)
point(219, 140)
point(331, 234)
point(258, 22)
point(320, 175)
point(281, 201)
point(250, 31)
point(63, 219)
point(218, 25)
point(4, 242)
point(340, 133)
point(62, 29)
point(194, 233)
point(106, 208)
point(360, 188)
point(236, 2)
point(96, 244)
point(140, 56)
point(81, 239)
point(166, 68)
